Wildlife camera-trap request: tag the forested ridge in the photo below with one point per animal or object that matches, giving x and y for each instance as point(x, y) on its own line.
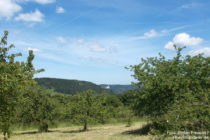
point(69, 86)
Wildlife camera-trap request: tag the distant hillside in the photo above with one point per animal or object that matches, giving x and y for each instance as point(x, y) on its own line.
point(69, 86)
point(118, 89)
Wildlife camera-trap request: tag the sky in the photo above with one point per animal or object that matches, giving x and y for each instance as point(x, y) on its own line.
point(94, 40)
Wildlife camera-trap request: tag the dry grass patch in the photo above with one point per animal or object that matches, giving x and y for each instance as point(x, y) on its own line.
point(105, 132)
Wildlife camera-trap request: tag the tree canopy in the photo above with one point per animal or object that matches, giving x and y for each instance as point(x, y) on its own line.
point(175, 92)
point(15, 76)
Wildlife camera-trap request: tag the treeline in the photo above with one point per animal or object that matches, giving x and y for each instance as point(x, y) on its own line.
point(42, 107)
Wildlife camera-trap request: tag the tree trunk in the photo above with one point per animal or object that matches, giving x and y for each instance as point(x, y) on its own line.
point(5, 135)
point(85, 126)
point(43, 127)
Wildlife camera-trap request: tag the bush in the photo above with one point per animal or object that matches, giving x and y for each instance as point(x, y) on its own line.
point(174, 93)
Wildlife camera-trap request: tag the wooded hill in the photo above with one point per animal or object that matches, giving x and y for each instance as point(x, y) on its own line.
point(75, 86)
point(69, 86)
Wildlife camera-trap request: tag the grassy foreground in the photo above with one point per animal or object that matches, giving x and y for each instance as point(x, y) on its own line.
point(105, 132)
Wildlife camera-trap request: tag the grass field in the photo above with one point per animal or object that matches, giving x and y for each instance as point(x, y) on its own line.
point(101, 132)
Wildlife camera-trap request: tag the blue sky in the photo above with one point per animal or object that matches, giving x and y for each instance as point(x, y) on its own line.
point(94, 40)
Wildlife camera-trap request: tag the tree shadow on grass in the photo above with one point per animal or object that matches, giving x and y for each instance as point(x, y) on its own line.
point(75, 131)
point(50, 131)
point(141, 131)
point(34, 132)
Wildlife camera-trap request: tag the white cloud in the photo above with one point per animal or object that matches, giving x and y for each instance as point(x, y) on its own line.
point(149, 34)
point(21, 1)
point(61, 39)
point(33, 49)
point(170, 45)
point(44, 1)
point(35, 16)
point(97, 48)
point(190, 5)
point(165, 31)
point(183, 39)
point(205, 51)
point(8, 8)
point(186, 39)
point(80, 41)
point(60, 10)
point(30, 24)
point(95, 59)
point(57, 58)
point(37, 1)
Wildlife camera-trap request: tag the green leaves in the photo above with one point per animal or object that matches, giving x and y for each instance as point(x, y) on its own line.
point(15, 76)
point(87, 107)
point(36, 107)
point(170, 90)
